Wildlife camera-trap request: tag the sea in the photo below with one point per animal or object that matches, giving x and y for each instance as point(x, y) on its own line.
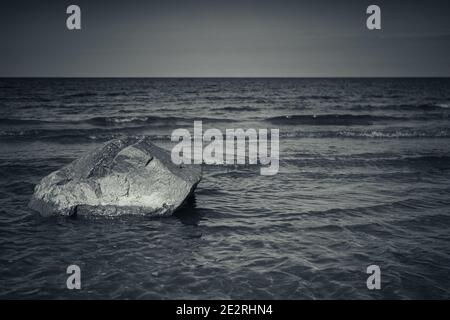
point(363, 180)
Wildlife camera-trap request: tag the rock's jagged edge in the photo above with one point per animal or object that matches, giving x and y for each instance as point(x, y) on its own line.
point(129, 176)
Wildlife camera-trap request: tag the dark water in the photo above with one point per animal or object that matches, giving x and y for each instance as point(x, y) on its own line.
point(364, 179)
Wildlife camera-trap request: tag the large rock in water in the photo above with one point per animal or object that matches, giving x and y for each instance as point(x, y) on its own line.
point(124, 177)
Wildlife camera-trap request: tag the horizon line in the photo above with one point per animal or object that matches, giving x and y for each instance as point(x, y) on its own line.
point(224, 77)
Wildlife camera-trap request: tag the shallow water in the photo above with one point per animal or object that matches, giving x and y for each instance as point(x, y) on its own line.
point(364, 179)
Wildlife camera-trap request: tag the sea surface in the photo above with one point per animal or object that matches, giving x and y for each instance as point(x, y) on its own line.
point(364, 179)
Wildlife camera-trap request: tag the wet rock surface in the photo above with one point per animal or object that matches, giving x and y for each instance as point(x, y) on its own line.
point(124, 177)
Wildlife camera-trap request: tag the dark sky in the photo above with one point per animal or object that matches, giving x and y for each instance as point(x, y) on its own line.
point(221, 38)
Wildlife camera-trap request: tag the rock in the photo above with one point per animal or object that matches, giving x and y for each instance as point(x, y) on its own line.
point(125, 177)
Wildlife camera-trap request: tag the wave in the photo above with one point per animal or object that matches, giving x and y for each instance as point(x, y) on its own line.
point(238, 109)
point(252, 99)
point(398, 133)
point(317, 97)
point(75, 135)
point(399, 107)
point(154, 120)
point(72, 135)
point(332, 119)
point(11, 121)
point(113, 121)
point(116, 94)
point(80, 95)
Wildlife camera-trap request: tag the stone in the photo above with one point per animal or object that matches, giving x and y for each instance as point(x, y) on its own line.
point(130, 176)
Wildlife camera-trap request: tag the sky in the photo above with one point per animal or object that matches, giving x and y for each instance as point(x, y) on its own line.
point(224, 38)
